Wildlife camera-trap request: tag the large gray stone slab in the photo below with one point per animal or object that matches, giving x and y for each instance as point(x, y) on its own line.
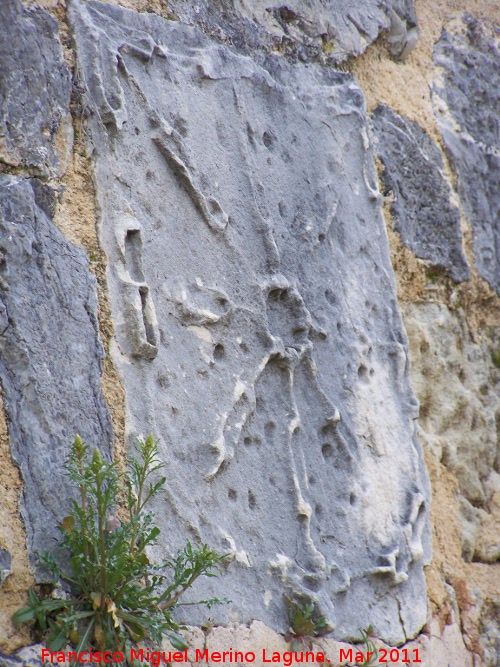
point(312, 30)
point(424, 216)
point(467, 105)
point(50, 354)
point(35, 125)
point(257, 328)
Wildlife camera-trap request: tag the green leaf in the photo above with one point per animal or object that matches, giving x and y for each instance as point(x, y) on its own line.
point(57, 640)
point(85, 637)
point(23, 615)
point(176, 640)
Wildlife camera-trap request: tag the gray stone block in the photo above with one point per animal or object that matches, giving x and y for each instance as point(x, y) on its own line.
point(35, 124)
point(424, 217)
point(257, 328)
point(311, 30)
point(50, 355)
point(467, 105)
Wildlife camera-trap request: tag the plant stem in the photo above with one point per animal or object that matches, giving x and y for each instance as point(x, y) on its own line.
point(173, 600)
point(102, 546)
point(83, 495)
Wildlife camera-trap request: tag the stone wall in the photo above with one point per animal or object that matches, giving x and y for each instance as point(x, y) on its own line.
point(267, 234)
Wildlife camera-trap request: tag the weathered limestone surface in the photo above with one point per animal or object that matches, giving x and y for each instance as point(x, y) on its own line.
point(35, 124)
point(467, 104)
point(424, 216)
point(258, 333)
point(50, 353)
point(458, 389)
point(317, 29)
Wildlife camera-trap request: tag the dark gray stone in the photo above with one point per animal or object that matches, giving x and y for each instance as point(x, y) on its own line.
point(35, 85)
point(50, 355)
point(467, 105)
point(424, 217)
point(257, 328)
point(317, 29)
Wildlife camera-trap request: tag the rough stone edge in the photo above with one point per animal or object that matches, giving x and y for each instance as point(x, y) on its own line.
point(71, 208)
point(12, 538)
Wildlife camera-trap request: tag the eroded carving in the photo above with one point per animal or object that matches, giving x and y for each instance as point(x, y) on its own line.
point(280, 387)
point(137, 328)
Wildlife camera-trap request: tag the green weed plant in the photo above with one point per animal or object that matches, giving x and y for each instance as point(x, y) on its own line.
point(303, 629)
point(117, 597)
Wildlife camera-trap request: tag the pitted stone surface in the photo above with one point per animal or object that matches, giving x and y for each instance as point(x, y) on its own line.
point(313, 30)
point(458, 389)
point(424, 217)
point(35, 125)
point(50, 354)
point(467, 105)
point(257, 329)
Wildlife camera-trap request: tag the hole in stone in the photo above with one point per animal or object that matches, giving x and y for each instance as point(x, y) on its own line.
point(137, 130)
point(363, 373)
point(133, 252)
point(232, 495)
point(352, 498)
point(148, 326)
point(250, 134)
point(330, 297)
point(312, 480)
point(247, 441)
point(327, 450)
point(372, 372)
point(321, 237)
point(298, 332)
point(424, 348)
point(296, 430)
point(219, 351)
point(277, 294)
point(287, 15)
point(268, 139)
point(251, 499)
point(339, 326)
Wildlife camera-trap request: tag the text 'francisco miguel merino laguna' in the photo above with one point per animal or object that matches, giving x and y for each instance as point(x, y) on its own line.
point(155, 658)
point(285, 658)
